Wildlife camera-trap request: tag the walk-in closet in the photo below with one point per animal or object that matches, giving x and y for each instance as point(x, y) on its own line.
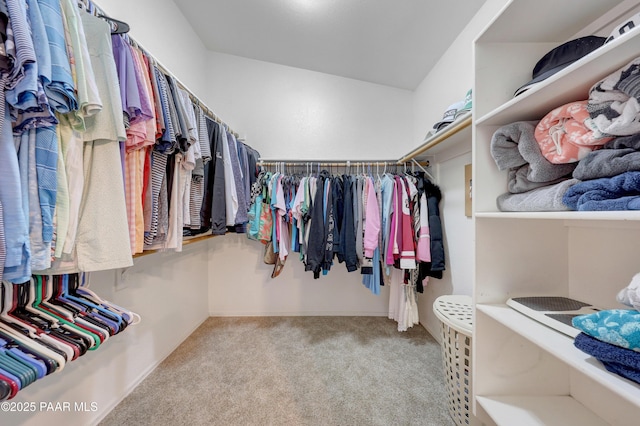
point(307, 212)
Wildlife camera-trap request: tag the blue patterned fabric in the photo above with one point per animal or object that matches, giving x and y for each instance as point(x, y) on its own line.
point(167, 142)
point(620, 327)
point(18, 253)
point(34, 110)
point(22, 83)
point(46, 167)
point(60, 90)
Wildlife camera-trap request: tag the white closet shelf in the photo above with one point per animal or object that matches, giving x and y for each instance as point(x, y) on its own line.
point(568, 85)
point(561, 347)
point(557, 28)
point(185, 242)
point(538, 410)
point(566, 215)
point(457, 132)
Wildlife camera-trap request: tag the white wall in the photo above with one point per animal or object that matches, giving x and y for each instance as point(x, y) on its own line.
point(290, 113)
point(449, 80)
point(445, 84)
point(241, 285)
point(161, 29)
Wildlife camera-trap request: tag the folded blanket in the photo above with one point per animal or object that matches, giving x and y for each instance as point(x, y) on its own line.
point(631, 141)
point(613, 103)
point(517, 181)
point(624, 362)
point(563, 136)
point(620, 327)
point(617, 156)
point(630, 295)
point(545, 199)
point(607, 163)
point(514, 148)
point(621, 192)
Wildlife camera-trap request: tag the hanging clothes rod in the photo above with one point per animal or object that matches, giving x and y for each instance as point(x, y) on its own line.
point(336, 163)
point(91, 6)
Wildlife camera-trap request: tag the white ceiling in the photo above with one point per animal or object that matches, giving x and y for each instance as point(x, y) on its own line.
point(390, 42)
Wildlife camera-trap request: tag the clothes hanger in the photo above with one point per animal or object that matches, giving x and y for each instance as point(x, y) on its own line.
point(10, 344)
point(13, 387)
point(45, 346)
point(82, 289)
point(38, 365)
point(54, 296)
point(38, 300)
point(29, 328)
point(20, 372)
point(117, 26)
point(27, 369)
point(29, 304)
point(101, 317)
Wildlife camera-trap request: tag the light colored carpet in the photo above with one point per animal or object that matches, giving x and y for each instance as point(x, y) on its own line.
point(294, 371)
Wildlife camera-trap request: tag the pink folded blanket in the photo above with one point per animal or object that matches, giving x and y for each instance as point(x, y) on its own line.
point(563, 136)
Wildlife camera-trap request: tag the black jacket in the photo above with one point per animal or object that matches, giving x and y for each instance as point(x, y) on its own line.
point(213, 213)
point(437, 264)
point(317, 232)
point(348, 233)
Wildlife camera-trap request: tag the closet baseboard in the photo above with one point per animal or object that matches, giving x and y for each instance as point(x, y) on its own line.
point(298, 314)
point(146, 373)
point(434, 333)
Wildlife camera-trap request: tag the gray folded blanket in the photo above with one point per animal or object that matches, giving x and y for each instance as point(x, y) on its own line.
point(514, 148)
point(545, 199)
point(616, 156)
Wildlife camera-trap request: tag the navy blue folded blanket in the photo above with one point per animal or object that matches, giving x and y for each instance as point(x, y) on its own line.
point(621, 192)
point(618, 360)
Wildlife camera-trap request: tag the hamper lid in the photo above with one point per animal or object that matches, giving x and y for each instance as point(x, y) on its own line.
point(455, 310)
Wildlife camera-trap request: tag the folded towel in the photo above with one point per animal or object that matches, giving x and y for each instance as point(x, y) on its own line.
point(631, 141)
point(617, 156)
point(620, 327)
point(621, 192)
point(598, 204)
point(514, 148)
point(607, 163)
point(547, 198)
point(613, 103)
point(624, 362)
point(630, 295)
point(563, 136)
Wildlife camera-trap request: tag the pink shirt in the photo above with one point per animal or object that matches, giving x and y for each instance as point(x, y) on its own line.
point(372, 217)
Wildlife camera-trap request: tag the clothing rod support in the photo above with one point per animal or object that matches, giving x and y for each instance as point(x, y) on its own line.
point(423, 169)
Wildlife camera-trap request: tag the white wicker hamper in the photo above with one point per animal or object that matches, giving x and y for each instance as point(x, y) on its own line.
point(455, 313)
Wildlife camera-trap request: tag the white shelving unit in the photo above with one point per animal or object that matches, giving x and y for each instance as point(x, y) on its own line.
point(455, 134)
point(524, 372)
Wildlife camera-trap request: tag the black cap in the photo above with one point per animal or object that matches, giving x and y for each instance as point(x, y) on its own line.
point(561, 57)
